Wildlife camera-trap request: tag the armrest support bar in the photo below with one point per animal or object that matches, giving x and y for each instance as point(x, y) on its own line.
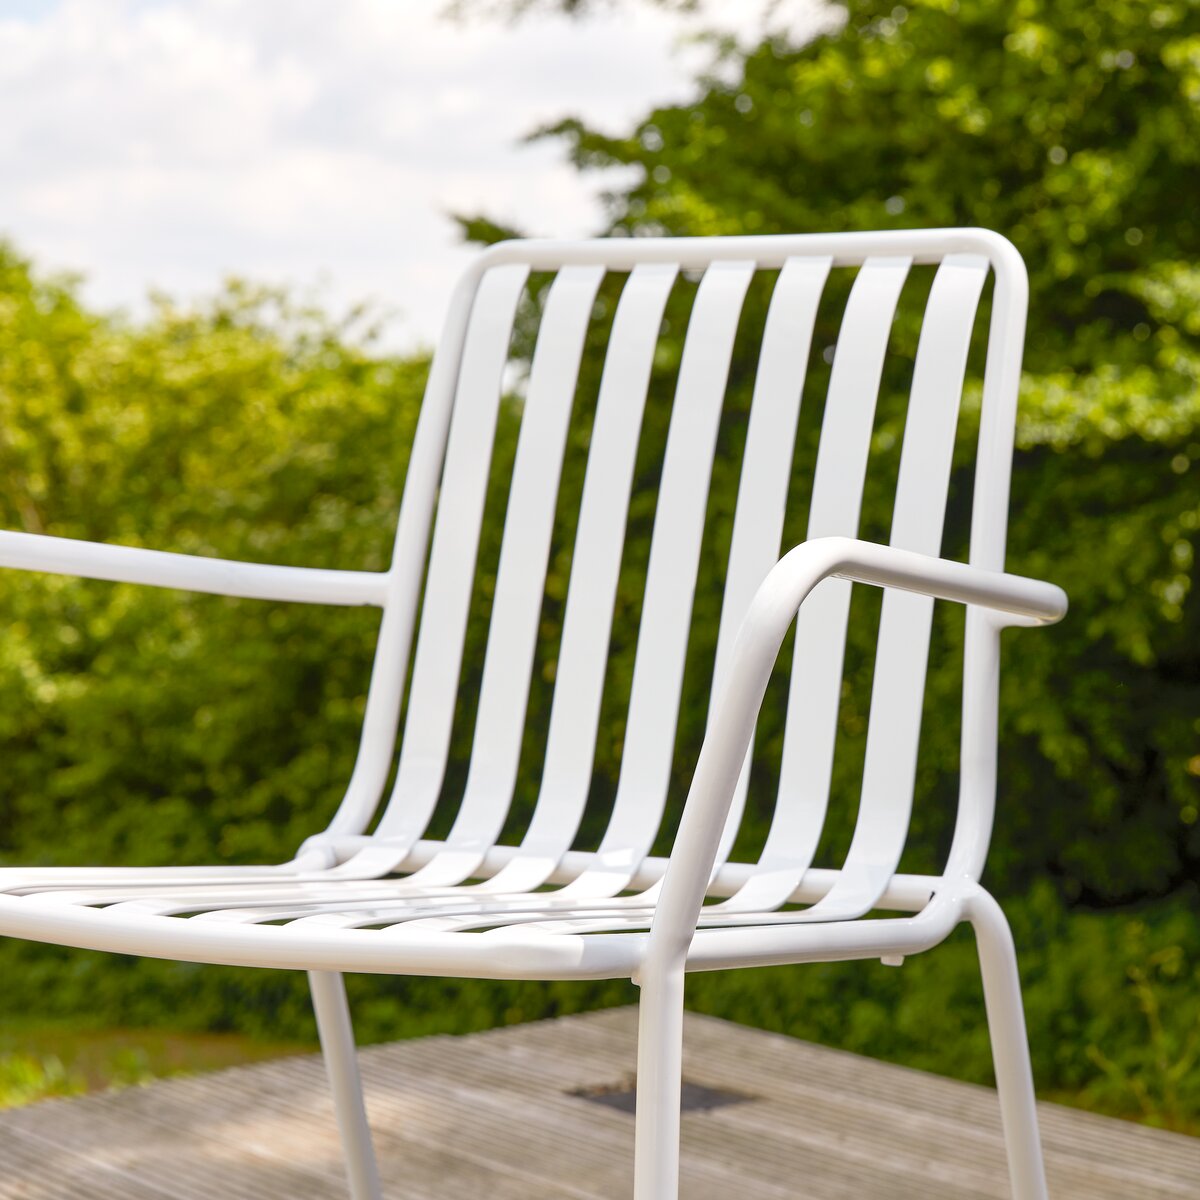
point(1015, 599)
point(193, 573)
point(1030, 601)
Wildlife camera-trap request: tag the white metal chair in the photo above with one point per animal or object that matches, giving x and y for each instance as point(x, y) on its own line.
point(392, 901)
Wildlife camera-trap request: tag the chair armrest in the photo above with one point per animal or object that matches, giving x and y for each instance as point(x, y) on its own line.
point(1017, 600)
point(194, 573)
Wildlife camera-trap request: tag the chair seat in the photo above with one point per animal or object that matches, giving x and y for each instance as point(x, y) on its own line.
point(282, 916)
point(527, 612)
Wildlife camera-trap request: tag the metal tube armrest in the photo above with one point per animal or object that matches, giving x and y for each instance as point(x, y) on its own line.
point(1015, 599)
point(194, 573)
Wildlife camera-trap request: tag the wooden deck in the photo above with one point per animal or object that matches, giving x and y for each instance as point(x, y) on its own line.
point(495, 1115)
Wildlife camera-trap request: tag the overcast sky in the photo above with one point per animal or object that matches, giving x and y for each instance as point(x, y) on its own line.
point(168, 143)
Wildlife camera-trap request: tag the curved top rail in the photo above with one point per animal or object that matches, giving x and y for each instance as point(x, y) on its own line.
point(190, 572)
point(766, 251)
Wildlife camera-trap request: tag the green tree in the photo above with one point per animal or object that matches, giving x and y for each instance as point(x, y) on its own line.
point(1073, 128)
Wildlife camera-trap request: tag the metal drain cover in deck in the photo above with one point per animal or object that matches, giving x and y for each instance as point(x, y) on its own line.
point(695, 1096)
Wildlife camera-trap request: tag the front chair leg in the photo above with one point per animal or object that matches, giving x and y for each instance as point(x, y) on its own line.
point(1010, 1046)
point(659, 1086)
point(341, 1062)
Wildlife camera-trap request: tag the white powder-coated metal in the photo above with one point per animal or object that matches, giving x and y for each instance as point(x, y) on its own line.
point(392, 900)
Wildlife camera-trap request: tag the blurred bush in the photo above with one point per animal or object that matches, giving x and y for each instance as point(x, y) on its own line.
point(24, 1079)
point(140, 723)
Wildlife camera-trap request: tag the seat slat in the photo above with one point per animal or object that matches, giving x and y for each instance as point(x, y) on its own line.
point(811, 725)
point(670, 581)
point(901, 660)
point(767, 469)
point(520, 579)
point(451, 572)
point(591, 592)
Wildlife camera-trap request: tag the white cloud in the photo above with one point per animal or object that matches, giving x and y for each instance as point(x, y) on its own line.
point(167, 143)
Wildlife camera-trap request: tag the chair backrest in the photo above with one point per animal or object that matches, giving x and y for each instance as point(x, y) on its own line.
point(450, 468)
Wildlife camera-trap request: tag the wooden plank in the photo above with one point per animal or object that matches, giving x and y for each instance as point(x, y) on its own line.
point(495, 1114)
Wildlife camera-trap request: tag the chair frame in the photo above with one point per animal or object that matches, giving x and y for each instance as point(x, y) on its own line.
point(674, 888)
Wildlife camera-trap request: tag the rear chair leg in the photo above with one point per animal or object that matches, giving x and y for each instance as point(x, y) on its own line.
point(1010, 1046)
point(659, 1085)
point(337, 1045)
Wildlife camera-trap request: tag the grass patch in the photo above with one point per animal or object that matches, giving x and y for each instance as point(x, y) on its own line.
point(38, 1061)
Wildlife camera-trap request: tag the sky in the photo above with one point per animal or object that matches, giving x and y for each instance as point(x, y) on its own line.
point(321, 144)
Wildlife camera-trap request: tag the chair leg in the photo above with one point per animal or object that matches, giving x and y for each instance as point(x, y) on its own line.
point(1010, 1046)
point(341, 1062)
point(659, 1085)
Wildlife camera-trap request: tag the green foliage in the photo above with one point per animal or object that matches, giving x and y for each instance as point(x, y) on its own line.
point(40, 1059)
point(1155, 1077)
point(146, 726)
point(1109, 999)
point(1073, 128)
point(24, 1079)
